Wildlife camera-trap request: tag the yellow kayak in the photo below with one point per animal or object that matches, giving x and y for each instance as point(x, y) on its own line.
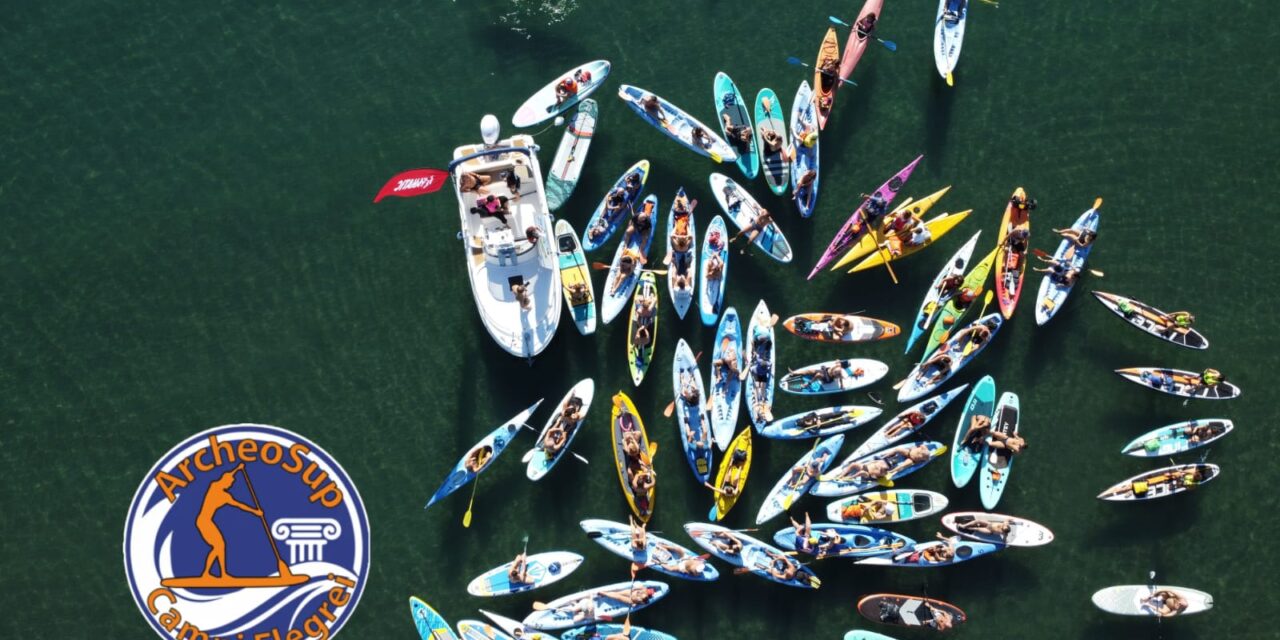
point(938, 227)
point(739, 448)
point(868, 244)
point(627, 419)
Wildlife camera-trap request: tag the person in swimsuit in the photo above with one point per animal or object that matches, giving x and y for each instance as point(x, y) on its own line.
point(907, 423)
point(1012, 443)
point(804, 184)
point(478, 459)
point(476, 182)
point(635, 596)
point(758, 226)
point(519, 571)
point(940, 364)
point(1165, 603)
point(998, 528)
point(1060, 271)
point(639, 535)
point(939, 619)
point(1081, 239)
point(870, 510)
point(653, 107)
point(729, 488)
point(771, 141)
point(725, 542)
point(627, 263)
point(782, 568)
point(979, 429)
point(521, 292)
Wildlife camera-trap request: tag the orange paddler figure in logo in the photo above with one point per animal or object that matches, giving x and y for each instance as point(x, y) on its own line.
point(217, 496)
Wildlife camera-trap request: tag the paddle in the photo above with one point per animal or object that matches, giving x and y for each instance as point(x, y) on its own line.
point(992, 3)
point(671, 407)
point(884, 253)
point(466, 517)
point(1041, 253)
point(797, 61)
point(888, 44)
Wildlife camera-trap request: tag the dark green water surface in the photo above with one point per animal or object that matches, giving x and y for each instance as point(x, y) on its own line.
point(189, 241)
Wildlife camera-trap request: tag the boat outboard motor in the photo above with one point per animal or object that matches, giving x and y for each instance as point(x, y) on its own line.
point(490, 129)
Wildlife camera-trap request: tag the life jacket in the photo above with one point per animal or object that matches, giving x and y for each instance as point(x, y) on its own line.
point(1182, 320)
point(1211, 377)
point(569, 85)
point(682, 225)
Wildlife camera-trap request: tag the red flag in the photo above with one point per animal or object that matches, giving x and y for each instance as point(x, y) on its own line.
point(413, 183)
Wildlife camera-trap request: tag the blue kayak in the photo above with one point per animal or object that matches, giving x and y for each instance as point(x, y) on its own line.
point(481, 456)
point(602, 223)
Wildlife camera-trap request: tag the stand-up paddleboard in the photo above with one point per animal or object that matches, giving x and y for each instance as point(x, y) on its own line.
point(959, 350)
point(886, 507)
point(540, 460)
point(859, 634)
point(797, 480)
point(566, 168)
point(909, 611)
point(715, 249)
point(1053, 292)
point(760, 367)
point(619, 287)
point(729, 103)
point(726, 385)
point(769, 117)
point(1178, 438)
point(1176, 382)
point(481, 456)
point(948, 36)
point(853, 373)
point(597, 631)
point(997, 463)
point(1021, 533)
point(560, 613)
point(954, 311)
point(907, 422)
point(820, 423)
point(861, 221)
point(626, 420)
point(844, 478)
point(431, 625)
point(692, 420)
point(547, 104)
point(965, 459)
point(1145, 600)
point(732, 476)
point(659, 554)
point(603, 224)
point(677, 124)
point(934, 299)
point(1151, 320)
point(824, 86)
point(743, 210)
point(640, 356)
point(543, 569)
point(827, 327)
point(804, 145)
point(683, 265)
point(1161, 483)
point(835, 540)
point(1011, 264)
point(575, 279)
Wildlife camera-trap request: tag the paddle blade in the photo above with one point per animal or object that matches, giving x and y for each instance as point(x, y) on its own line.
point(671, 408)
point(794, 60)
point(951, 80)
point(837, 21)
point(466, 519)
point(890, 45)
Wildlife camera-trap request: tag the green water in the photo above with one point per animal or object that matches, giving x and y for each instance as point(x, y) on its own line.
point(190, 242)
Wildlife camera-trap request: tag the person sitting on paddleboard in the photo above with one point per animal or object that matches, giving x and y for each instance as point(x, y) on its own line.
point(867, 510)
point(642, 337)
point(639, 535)
point(700, 138)
point(998, 528)
point(556, 436)
point(639, 225)
point(939, 619)
point(567, 88)
point(739, 135)
point(907, 423)
point(1010, 442)
point(979, 428)
point(1165, 603)
point(653, 107)
point(803, 184)
point(519, 571)
point(627, 264)
point(771, 141)
point(646, 306)
point(761, 222)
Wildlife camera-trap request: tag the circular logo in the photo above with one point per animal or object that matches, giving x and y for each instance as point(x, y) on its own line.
point(250, 532)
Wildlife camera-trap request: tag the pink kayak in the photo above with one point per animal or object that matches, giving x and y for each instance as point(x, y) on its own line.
point(856, 45)
point(854, 228)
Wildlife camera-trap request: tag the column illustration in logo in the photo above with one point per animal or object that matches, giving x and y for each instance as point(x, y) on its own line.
point(203, 538)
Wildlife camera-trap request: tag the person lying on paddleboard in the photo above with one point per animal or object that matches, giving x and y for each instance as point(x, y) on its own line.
point(881, 467)
point(803, 184)
point(638, 226)
point(971, 338)
point(998, 528)
point(690, 395)
point(739, 135)
point(715, 265)
point(908, 422)
point(939, 619)
point(940, 364)
point(979, 429)
point(1188, 479)
point(802, 474)
point(1060, 271)
point(813, 422)
point(519, 571)
point(1177, 321)
point(635, 596)
point(1165, 603)
point(1199, 433)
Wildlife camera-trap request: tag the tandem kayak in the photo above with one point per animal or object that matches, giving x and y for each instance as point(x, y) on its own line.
point(561, 612)
point(804, 143)
point(834, 540)
point(996, 463)
point(677, 124)
point(769, 118)
point(431, 625)
point(826, 327)
point(869, 243)
point(726, 385)
point(732, 476)
point(1152, 321)
point(566, 168)
point(820, 423)
point(1176, 382)
point(1161, 483)
point(935, 298)
point(715, 251)
point(659, 553)
point(955, 308)
point(682, 265)
point(1137, 599)
point(847, 478)
point(961, 551)
point(1178, 438)
point(851, 373)
point(965, 459)
point(729, 103)
point(907, 422)
point(575, 278)
point(618, 286)
point(862, 220)
point(578, 83)
point(744, 211)
point(899, 245)
point(957, 352)
point(543, 569)
point(626, 420)
point(909, 611)
point(948, 36)
point(540, 461)
point(1053, 291)
point(481, 456)
point(1022, 532)
point(603, 223)
point(1011, 264)
point(886, 507)
point(799, 478)
point(640, 356)
point(760, 366)
point(692, 419)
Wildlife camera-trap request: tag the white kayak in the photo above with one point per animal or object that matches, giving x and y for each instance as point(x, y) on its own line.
point(1022, 532)
point(909, 421)
point(682, 263)
point(546, 104)
point(659, 554)
point(854, 373)
point(539, 460)
point(598, 605)
point(820, 423)
point(1178, 438)
point(847, 478)
point(948, 36)
point(760, 367)
point(693, 423)
point(797, 480)
point(677, 124)
point(743, 210)
point(715, 246)
point(1136, 599)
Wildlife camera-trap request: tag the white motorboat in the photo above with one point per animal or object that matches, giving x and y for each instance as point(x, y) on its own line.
point(511, 252)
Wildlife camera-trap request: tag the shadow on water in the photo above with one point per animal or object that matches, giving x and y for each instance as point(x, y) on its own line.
point(1124, 628)
point(1143, 523)
point(938, 122)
